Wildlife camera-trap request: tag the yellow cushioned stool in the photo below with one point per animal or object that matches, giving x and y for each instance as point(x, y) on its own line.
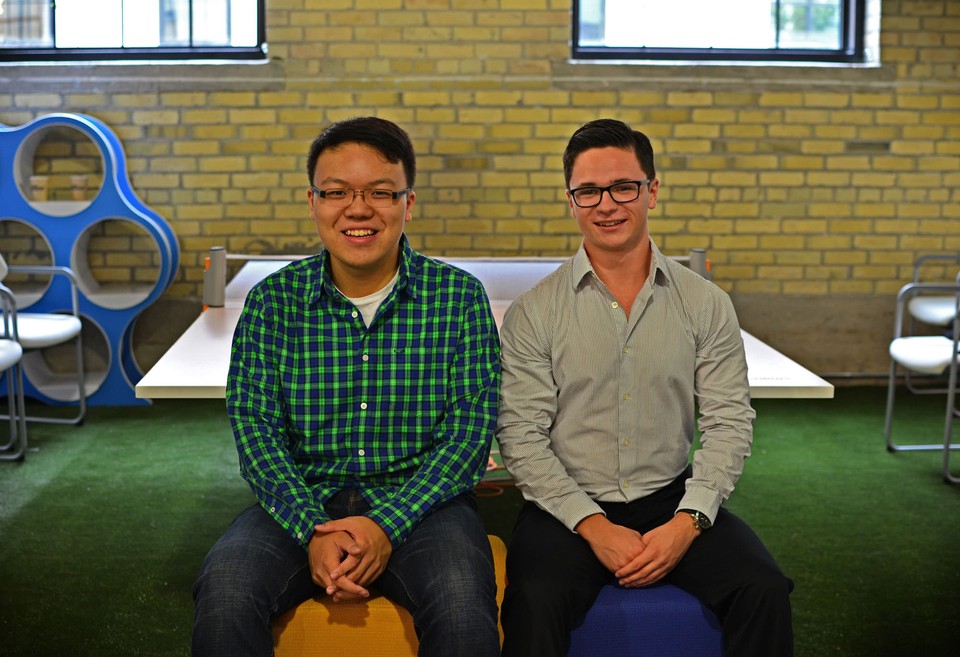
point(375, 628)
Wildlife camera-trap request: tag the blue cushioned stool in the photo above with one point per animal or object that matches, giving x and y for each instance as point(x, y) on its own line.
point(661, 621)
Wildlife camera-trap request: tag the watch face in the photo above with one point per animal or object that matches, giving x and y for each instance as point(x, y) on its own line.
point(700, 520)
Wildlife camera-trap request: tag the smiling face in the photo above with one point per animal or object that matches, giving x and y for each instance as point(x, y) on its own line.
point(611, 227)
point(363, 242)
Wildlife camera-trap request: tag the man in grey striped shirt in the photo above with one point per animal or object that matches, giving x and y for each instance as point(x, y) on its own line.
point(604, 364)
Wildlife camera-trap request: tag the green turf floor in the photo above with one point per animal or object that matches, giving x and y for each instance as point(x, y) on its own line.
point(102, 529)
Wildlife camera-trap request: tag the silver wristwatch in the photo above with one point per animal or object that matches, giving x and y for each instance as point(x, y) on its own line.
point(700, 520)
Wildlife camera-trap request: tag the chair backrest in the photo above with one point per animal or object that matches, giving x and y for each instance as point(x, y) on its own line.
point(3, 268)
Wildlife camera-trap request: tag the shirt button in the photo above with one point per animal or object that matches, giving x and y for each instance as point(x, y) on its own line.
point(626, 484)
point(363, 406)
point(625, 350)
point(354, 314)
point(366, 358)
point(626, 396)
point(299, 534)
point(615, 305)
point(626, 443)
point(361, 452)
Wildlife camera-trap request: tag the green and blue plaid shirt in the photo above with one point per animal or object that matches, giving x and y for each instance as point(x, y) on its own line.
point(403, 410)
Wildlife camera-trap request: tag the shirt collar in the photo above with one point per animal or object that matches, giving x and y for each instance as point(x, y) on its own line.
point(581, 266)
point(406, 281)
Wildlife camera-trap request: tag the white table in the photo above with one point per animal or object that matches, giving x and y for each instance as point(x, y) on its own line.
point(196, 365)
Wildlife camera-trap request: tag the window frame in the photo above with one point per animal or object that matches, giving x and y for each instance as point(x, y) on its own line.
point(160, 53)
point(852, 49)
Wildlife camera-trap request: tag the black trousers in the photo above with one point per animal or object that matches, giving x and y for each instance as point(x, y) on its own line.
point(554, 578)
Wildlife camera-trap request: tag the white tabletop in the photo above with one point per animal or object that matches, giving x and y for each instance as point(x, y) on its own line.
point(196, 365)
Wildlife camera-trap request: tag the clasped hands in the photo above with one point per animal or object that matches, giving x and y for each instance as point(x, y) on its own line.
point(638, 559)
point(347, 555)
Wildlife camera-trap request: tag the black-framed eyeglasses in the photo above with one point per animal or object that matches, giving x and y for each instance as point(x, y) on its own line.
point(341, 197)
point(621, 192)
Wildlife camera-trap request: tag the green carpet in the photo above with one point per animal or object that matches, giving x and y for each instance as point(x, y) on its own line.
point(103, 529)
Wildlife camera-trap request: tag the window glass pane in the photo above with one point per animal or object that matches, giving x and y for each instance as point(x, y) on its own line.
point(709, 24)
point(810, 24)
point(89, 23)
point(141, 28)
point(657, 24)
point(25, 23)
point(211, 25)
point(243, 24)
point(174, 23)
point(105, 25)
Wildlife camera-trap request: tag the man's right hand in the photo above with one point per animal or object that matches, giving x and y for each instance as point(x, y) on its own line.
point(614, 545)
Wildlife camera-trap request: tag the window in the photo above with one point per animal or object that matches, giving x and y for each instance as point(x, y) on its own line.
point(38, 30)
point(748, 30)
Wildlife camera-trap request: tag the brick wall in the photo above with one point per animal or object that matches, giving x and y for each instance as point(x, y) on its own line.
point(813, 189)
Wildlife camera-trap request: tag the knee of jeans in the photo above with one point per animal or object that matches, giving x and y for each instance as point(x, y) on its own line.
point(232, 579)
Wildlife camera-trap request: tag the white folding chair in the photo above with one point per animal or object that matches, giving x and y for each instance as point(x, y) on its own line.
point(932, 309)
point(11, 354)
point(41, 330)
point(929, 355)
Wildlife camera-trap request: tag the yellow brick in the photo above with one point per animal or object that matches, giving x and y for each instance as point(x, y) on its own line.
point(758, 226)
point(806, 287)
point(413, 99)
point(853, 163)
point(828, 243)
point(688, 98)
point(710, 227)
point(733, 179)
point(458, 179)
point(781, 99)
point(897, 118)
point(593, 98)
point(829, 210)
point(806, 162)
point(780, 272)
point(496, 243)
point(921, 244)
point(874, 210)
point(156, 117)
point(815, 99)
point(233, 98)
point(781, 242)
point(821, 147)
point(223, 164)
point(523, 4)
point(872, 100)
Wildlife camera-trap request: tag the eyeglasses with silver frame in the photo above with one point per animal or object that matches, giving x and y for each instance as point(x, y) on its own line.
point(621, 192)
point(341, 197)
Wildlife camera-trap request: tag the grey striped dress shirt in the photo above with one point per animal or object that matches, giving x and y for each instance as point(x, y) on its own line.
point(598, 407)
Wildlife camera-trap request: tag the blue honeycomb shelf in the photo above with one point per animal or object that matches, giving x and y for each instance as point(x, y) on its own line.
point(66, 227)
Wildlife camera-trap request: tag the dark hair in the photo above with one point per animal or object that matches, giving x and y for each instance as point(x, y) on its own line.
point(608, 132)
point(385, 136)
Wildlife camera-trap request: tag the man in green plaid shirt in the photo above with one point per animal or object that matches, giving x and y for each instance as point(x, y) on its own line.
point(362, 391)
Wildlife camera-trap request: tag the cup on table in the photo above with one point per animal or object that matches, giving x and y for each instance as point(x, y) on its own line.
point(39, 188)
point(78, 187)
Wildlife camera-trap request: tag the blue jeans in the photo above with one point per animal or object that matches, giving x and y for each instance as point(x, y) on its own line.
point(443, 574)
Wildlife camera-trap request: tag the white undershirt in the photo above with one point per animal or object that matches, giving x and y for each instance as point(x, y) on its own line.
point(369, 304)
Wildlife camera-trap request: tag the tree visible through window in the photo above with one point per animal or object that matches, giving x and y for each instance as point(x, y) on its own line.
point(775, 30)
point(131, 29)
